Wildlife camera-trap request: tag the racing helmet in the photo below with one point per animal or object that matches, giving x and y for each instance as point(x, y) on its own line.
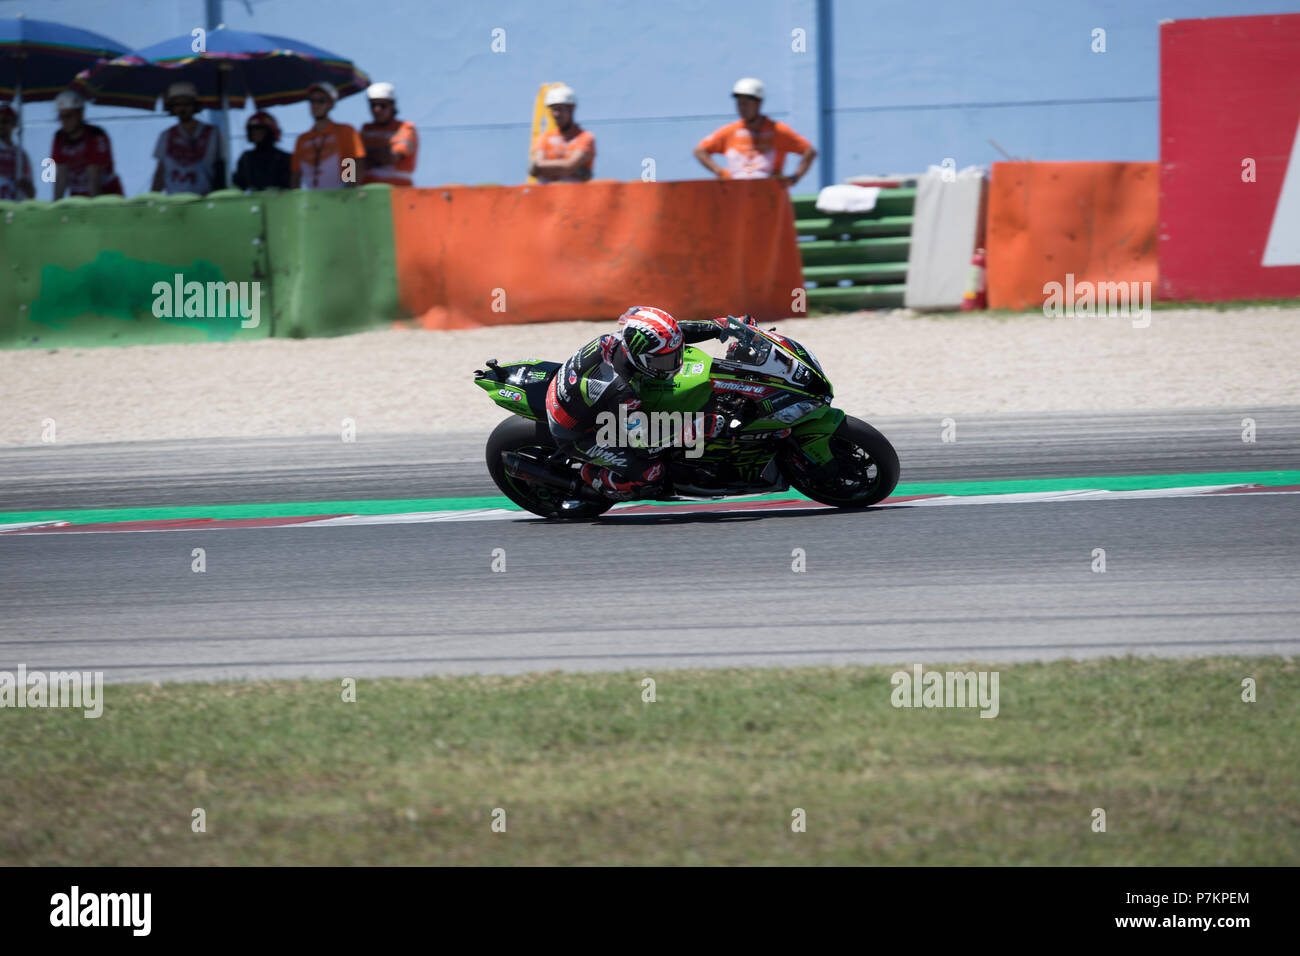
point(650, 344)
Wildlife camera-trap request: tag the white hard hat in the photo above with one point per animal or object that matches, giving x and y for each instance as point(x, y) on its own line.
point(181, 88)
point(561, 96)
point(381, 91)
point(327, 89)
point(69, 100)
point(748, 86)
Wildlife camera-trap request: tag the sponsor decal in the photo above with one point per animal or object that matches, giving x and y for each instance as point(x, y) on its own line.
point(573, 378)
point(745, 388)
point(608, 456)
point(758, 436)
point(511, 394)
point(695, 368)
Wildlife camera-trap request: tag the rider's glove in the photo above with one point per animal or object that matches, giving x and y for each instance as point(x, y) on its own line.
point(711, 426)
point(724, 324)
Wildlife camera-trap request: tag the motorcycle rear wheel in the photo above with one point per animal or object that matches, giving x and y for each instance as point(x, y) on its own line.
point(534, 438)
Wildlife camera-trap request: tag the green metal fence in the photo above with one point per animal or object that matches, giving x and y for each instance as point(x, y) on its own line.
point(856, 260)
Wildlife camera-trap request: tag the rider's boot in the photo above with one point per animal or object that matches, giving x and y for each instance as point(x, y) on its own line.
point(613, 485)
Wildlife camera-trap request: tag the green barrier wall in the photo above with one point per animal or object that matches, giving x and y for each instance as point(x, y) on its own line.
point(333, 268)
point(85, 272)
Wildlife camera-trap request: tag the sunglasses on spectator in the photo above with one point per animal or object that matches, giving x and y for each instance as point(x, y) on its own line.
point(317, 100)
point(68, 114)
point(381, 104)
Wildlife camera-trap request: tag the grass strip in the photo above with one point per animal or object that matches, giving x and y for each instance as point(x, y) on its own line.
point(709, 773)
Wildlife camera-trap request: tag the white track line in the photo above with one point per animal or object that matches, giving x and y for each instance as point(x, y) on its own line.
point(720, 507)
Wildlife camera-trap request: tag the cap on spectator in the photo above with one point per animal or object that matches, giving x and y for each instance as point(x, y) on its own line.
point(748, 86)
point(181, 88)
point(267, 122)
point(561, 96)
point(69, 100)
point(327, 89)
point(381, 91)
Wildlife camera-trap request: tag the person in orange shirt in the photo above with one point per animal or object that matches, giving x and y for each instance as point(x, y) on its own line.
point(391, 144)
point(320, 155)
point(755, 147)
point(567, 155)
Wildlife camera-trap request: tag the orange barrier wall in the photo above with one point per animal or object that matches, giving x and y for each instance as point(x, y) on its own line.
point(471, 256)
point(1095, 220)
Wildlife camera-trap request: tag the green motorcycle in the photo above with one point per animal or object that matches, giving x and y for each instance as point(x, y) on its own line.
point(781, 431)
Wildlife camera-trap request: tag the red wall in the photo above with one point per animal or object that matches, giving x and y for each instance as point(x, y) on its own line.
point(1229, 90)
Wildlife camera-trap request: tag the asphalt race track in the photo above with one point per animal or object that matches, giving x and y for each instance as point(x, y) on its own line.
point(988, 582)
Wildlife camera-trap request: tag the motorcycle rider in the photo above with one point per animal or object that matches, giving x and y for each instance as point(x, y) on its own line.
point(610, 371)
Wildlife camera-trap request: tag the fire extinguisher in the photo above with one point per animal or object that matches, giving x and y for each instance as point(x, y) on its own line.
point(976, 296)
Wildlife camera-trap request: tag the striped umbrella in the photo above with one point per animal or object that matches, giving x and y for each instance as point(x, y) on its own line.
point(227, 67)
point(38, 59)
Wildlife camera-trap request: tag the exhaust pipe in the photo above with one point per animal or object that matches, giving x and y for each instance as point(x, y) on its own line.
point(517, 466)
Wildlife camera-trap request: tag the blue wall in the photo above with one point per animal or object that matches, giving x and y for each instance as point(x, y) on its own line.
point(899, 86)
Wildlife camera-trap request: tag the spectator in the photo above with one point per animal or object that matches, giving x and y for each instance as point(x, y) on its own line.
point(264, 166)
point(320, 157)
point(391, 144)
point(568, 155)
point(82, 154)
point(755, 146)
point(189, 154)
point(15, 167)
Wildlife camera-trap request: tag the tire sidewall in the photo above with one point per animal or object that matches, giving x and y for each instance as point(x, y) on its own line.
point(882, 454)
point(515, 433)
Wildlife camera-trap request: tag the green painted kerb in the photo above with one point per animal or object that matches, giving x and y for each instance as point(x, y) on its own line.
point(406, 505)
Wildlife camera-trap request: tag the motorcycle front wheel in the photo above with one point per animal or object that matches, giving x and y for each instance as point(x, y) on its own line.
point(865, 468)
